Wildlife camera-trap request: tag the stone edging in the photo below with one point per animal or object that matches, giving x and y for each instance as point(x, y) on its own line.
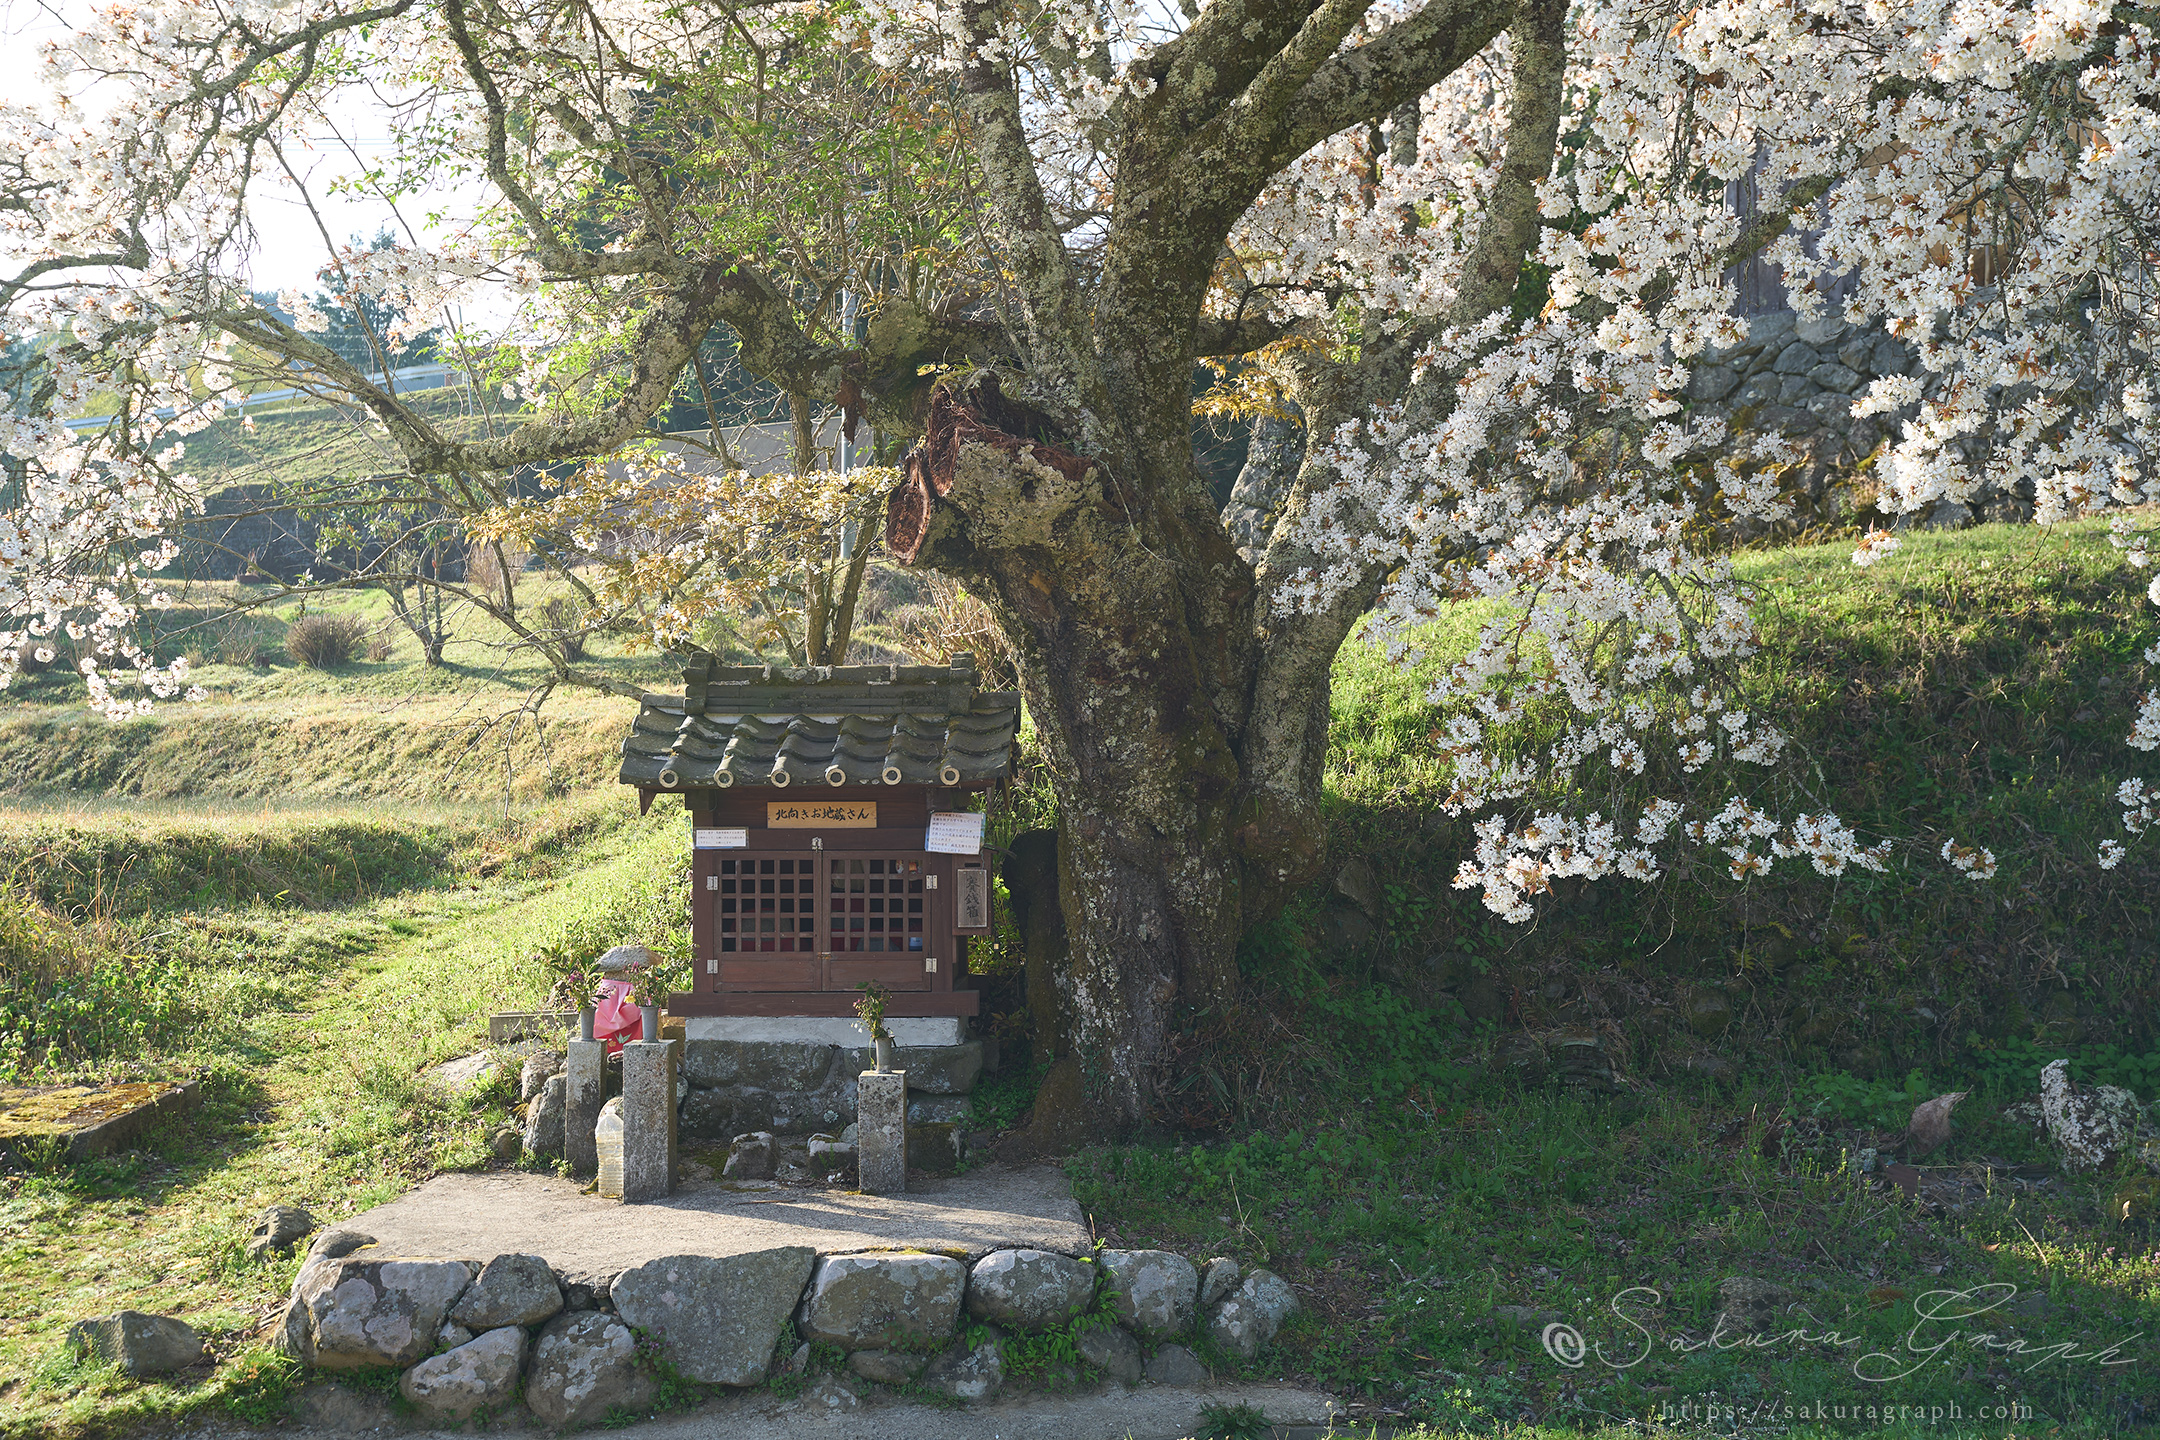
point(472, 1337)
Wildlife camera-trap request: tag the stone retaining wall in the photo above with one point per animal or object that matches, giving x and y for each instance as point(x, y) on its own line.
point(789, 1087)
point(1799, 378)
point(475, 1338)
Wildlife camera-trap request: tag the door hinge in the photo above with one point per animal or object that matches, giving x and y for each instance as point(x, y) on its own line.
point(817, 842)
point(712, 967)
point(712, 882)
point(929, 882)
point(929, 964)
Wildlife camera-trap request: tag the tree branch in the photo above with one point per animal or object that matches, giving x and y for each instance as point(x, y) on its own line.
point(1401, 62)
point(1061, 358)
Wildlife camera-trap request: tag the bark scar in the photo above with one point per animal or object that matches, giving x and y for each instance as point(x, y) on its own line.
point(959, 431)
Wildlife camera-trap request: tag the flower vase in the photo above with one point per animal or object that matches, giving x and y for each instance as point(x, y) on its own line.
point(585, 1023)
point(651, 1016)
point(884, 1056)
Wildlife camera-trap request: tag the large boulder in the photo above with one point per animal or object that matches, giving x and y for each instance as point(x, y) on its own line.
point(584, 1365)
point(2092, 1125)
point(355, 1312)
point(720, 1316)
point(1248, 1320)
point(538, 1069)
point(1030, 1289)
point(481, 1374)
point(547, 1119)
point(879, 1302)
point(139, 1344)
point(329, 1247)
point(1153, 1291)
point(510, 1290)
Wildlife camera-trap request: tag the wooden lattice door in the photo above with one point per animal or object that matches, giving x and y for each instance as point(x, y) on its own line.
point(879, 920)
point(766, 922)
point(831, 921)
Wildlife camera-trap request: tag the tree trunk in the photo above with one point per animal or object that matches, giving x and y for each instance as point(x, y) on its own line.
point(1138, 667)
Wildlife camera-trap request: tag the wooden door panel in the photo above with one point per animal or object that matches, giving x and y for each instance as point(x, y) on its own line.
point(769, 973)
point(901, 973)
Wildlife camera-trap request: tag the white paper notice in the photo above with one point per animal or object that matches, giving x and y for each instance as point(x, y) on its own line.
point(956, 832)
point(722, 840)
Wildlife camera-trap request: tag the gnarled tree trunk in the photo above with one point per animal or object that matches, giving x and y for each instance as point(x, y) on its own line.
point(1141, 690)
point(1182, 708)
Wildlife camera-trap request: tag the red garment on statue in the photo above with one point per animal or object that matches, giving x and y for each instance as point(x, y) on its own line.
point(615, 1019)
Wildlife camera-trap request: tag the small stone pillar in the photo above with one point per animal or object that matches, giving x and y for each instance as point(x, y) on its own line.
point(585, 1074)
point(648, 1120)
point(881, 1132)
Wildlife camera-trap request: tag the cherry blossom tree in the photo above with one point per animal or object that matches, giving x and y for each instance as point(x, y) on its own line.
point(1474, 246)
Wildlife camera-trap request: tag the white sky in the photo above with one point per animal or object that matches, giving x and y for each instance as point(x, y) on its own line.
point(290, 248)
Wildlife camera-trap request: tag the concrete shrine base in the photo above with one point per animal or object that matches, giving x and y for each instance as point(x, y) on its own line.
point(823, 1030)
point(584, 1237)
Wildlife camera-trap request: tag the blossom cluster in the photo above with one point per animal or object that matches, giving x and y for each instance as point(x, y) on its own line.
point(1982, 178)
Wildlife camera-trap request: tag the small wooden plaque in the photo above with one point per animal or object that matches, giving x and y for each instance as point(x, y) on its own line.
point(821, 814)
point(973, 899)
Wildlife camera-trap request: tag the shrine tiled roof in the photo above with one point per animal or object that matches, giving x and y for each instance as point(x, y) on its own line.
point(828, 725)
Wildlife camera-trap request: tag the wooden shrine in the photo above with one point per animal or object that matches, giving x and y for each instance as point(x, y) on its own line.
point(833, 841)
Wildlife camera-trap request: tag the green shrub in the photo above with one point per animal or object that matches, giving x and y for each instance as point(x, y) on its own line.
point(1872, 1102)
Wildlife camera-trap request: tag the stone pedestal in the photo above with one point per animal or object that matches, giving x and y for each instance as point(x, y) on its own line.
point(585, 1074)
point(881, 1132)
point(648, 1119)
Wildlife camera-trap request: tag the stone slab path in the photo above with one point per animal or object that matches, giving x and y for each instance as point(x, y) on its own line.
point(585, 1237)
point(1114, 1413)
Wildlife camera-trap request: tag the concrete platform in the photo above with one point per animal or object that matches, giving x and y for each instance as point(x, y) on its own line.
point(827, 1030)
point(996, 1207)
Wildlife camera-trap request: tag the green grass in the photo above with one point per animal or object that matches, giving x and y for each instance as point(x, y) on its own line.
point(1350, 1125)
point(312, 1029)
point(1410, 1229)
point(1976, 685)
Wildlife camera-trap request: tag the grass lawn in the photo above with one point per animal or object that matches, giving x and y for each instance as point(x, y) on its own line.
point(229, 896)
point(312, 1027)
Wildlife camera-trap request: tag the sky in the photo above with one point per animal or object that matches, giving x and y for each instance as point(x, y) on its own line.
point(290, 248)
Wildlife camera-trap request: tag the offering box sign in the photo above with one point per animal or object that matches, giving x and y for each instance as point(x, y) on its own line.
point(973, 899)
point(821, 814)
